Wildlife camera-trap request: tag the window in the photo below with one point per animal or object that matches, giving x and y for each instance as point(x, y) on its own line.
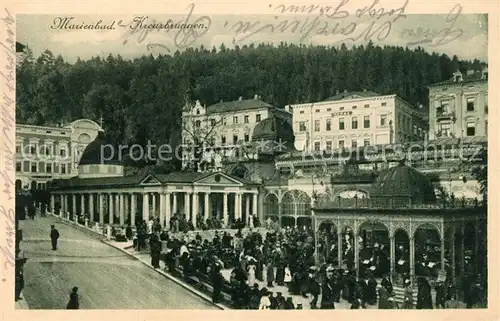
point(62, 152)
point(301, 111)
point(341, 108)
point(354, 122)
point(367, 106)
point(246, 119)
point(33, 149)
point(341, 124)
point(367, 142)
point(302, 126)
point(328, 109)
point(354, 143)
point(212, 122)
point(63, 168)
point(223, 139)
point(247, 138)
point(445, 129)
point(33, 167)
point(235, 139)
point(197, 111)
point(26, 166)
point(317, 125)
point(341, 144)
point(235, 119)
point(49, 168)
point(329, 145)
point(384, 104)
point(257, 118)
point(442, 107)
point(317, 110)
point(383, 120)
point(354, 107)
point(317, 146)
point(18, 166)
point(366, 121)
point(470, 103)
point(197, 124)
point(224, 121)
point(18, 149)
point(211, 141)
point(328, 124)
point(471, 129)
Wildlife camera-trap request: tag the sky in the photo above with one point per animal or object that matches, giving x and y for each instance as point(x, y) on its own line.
point(464, 35)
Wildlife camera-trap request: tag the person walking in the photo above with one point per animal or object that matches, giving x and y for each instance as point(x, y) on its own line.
point(73, 303)
point(54, 236)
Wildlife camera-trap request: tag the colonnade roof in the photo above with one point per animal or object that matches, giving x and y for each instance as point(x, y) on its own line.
point(184, 178)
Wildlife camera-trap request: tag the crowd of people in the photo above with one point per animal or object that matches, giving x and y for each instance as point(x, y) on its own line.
point(286, 258)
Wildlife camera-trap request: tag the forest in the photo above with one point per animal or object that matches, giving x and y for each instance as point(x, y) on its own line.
point(142, 99)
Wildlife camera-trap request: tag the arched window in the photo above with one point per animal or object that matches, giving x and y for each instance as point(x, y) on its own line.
point(296, 203)
point(303, 204)
point(271, 207)
point(288, 204)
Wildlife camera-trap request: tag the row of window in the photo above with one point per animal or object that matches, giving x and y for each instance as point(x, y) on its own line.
point(246, 120)
point(342, 108)
point(443, 107)
point(341, 123)
point(44, 150)
point(341, 144)
point(445, 128)
point(41, 167)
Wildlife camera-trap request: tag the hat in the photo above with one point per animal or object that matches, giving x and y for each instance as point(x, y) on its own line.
point(329, 269)
point(313, 268)
point(373, 268)
point(391, 298)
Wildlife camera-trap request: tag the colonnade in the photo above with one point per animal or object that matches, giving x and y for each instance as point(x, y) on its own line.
point(122, 205)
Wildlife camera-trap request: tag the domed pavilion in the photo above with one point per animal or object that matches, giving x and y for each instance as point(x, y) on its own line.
point(273, 136)
point(401, 230)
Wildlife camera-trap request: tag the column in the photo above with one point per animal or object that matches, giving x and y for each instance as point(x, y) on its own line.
point(254, 204)
point(74, 204)
point(82, 204)
point(145, 207)
point(167, 211)
point(392, 253)
point(442, 255)
point(153, 200)
point(126, 206)
point(122, 210)
point(133, 208)
point(453, 253)
point(462, 250)
point(162, 209)
point(111, 208)
point(117, 204)
point(52, 204)
point(101, 209)
point(174, 209)
point(412, 259)
point(356, 251)
point(187, 207)
point(237, 206)
point(339, 246)
point(91, 207)
point(224, 209)
point(247, 208)
point(196, 208)
point(206, 207)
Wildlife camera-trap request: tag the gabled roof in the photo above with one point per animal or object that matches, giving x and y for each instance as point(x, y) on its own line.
point(147, 178)
point(353, 95)
point(237, 105)
point(477, 75)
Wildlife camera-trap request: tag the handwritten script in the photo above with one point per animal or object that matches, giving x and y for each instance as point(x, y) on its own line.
point(436, 37)
point(368, 22)
point(186, 31)
point(8, 45)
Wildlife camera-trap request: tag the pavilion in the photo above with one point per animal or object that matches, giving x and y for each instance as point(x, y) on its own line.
point(102, 192)
point(400, 229)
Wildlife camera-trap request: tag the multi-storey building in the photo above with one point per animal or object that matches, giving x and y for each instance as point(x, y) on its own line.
point(352, 119)
point(458, 107)
point(225, 125)
point(44, 153)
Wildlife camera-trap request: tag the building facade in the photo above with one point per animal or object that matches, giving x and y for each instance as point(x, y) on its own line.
point(226, 125)
point(44, 153)
point(459, 106)
point(356, 119)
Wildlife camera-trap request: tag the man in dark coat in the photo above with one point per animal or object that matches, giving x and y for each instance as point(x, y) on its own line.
point(217, 283)
point(315, 290)
point(424, 298)
point(371, 291)
point(73, 303)
point(440, 295)
point(328, 293)
point(386, 282)
point(54, 236)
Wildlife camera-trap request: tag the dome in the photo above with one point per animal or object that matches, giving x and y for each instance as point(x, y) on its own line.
point(100, 152)
point(404, 185)
point(276, 130)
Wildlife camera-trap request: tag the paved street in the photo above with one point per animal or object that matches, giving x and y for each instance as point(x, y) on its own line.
point(106, 277)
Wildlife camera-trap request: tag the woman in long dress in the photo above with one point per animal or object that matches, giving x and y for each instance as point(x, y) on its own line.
point(251, 274)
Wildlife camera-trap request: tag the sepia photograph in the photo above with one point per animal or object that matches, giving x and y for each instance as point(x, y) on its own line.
point(315, 157)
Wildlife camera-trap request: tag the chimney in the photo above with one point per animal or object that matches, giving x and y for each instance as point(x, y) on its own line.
point(240, 99)
point(470, 72)
point(256, 97)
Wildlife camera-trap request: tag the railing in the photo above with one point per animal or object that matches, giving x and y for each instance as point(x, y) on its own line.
point(400, 202)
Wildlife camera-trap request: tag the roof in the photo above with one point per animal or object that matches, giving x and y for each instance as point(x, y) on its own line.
point(353, 95)
point(237, 105)
point(276, 130)
point(99, 153)
point(404, 182)
point(136, 180)
point(466, 78)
